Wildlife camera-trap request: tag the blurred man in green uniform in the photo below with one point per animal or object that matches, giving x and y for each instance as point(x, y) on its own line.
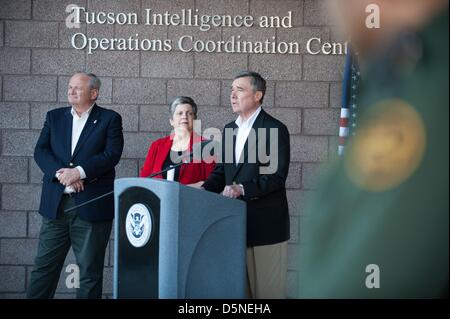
point(378, 224)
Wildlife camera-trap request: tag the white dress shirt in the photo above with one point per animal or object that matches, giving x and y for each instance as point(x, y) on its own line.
point(244, 128)
point(78, 123)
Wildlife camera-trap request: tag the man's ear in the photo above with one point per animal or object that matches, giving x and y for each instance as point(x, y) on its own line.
point(94, 94)
point(258, 96)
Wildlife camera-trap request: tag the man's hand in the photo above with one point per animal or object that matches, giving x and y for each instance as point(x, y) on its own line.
point(232, 191)
point(78, 186)
point(68, 176)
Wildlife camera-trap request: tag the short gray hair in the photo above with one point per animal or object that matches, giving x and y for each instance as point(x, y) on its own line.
point(183, 100)
point(94, 81)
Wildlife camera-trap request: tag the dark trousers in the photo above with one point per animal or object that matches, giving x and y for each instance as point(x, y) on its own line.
point(88, 241)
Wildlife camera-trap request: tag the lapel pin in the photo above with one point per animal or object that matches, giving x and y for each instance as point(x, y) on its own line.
point(95, 121)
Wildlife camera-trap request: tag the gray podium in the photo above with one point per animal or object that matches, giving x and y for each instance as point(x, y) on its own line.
point(174, 241)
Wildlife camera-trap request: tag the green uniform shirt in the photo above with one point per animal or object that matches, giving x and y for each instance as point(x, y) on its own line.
point(380, 216)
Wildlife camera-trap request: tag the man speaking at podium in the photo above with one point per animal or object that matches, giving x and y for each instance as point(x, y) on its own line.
point(77, 150)
point(246, 177)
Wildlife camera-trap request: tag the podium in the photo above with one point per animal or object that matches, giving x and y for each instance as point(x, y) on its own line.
point(174, 241)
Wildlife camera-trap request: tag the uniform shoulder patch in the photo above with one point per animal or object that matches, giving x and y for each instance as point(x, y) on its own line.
point(388, 147)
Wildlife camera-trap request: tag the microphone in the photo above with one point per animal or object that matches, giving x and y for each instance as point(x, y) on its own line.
point(88, 202)
point(168, 169)
point(181, 159)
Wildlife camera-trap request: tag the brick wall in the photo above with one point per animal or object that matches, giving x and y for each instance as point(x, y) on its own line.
point(36, 61)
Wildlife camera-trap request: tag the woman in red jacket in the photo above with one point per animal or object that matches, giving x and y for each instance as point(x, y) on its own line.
point(178, 146)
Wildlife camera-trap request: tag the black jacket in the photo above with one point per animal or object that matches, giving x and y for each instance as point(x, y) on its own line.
point(265, 194)
point(98, 151)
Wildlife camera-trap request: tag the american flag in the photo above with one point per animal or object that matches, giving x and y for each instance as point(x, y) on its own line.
point(350, 85)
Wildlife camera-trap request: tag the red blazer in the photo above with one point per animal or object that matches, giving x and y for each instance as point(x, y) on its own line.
point(189, 173)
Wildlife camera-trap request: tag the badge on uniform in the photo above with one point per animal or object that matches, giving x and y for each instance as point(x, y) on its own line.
point(388, 147)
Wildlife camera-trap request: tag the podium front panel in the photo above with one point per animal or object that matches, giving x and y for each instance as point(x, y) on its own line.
point(138, 266)
point(174, 241)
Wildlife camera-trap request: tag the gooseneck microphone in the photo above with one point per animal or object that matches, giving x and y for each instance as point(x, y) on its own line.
point(112, 192)
point(183, 159)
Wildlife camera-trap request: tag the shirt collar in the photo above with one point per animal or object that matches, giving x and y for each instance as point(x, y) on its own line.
point(249, 123)
point(84, 114)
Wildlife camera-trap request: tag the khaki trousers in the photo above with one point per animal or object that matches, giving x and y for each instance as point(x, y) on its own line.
point(266, 271)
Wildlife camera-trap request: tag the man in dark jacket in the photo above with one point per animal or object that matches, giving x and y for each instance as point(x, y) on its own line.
point(77, 151)
point(254, 168)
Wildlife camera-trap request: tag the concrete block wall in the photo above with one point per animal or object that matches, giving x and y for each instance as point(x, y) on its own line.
point(36, 61)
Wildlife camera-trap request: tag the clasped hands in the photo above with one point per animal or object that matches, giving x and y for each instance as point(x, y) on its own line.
point(70, 177)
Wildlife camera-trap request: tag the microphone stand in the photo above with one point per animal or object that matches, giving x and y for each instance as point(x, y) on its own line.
point(112, 192)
